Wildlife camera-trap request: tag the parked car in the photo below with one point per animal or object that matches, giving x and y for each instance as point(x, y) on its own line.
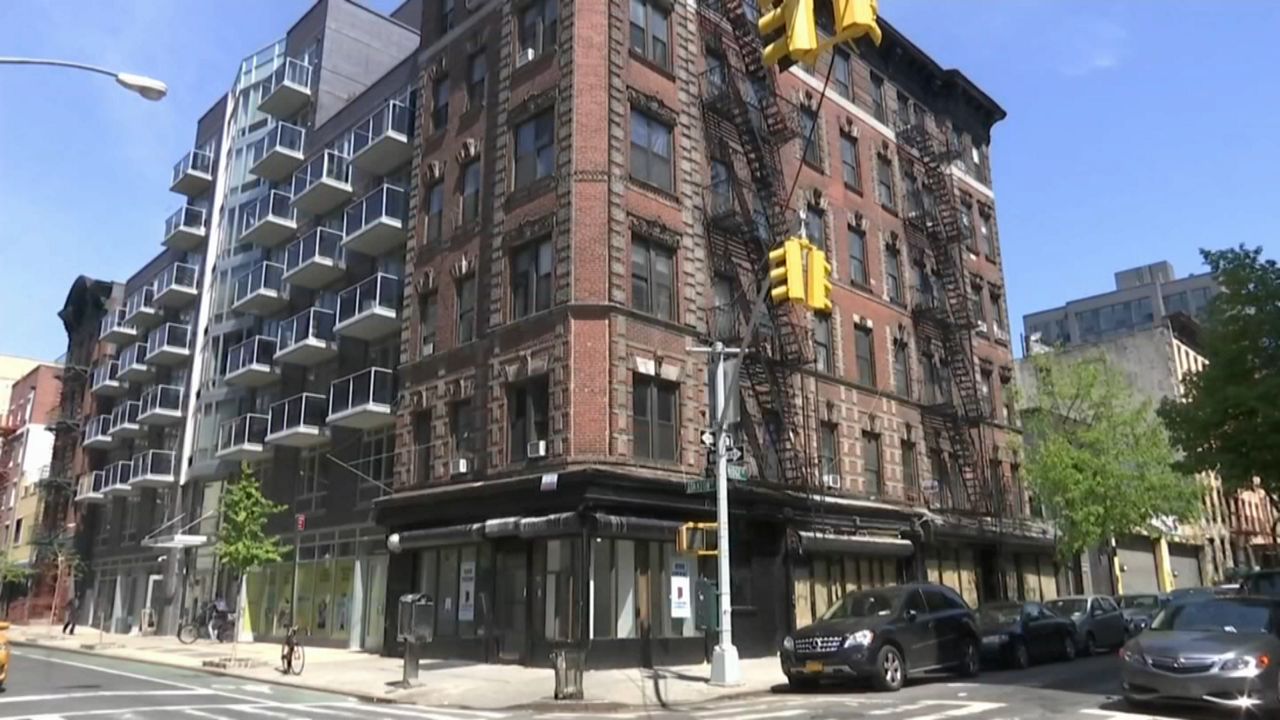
point(1261, 582)
point(1140, 609)
point(885, 635)
point(1099, 622)
point(1215, 652)
point(1018, 633)
point(1192, 593)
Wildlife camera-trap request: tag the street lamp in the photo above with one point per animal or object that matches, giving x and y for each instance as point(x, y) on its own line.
point(147, 87)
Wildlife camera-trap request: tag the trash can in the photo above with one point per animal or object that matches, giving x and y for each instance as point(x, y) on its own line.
point(568, 663)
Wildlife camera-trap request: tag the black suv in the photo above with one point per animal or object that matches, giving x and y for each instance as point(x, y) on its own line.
point(1265, 583)
point(885, 634)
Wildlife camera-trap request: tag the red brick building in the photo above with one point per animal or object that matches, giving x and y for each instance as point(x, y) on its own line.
point(570, 166)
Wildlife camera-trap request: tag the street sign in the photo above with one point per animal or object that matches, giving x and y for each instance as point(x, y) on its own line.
point(300, 521)
point(709, 439)
point(700, 485)
point(737, 472)
point(734, 454)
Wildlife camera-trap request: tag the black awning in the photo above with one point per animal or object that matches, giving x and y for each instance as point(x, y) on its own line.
point(877, 545)
point(435, 537)
point(635, 527)
point(550, 525)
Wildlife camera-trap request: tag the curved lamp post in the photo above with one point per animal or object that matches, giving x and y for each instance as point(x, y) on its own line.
point(147, 87)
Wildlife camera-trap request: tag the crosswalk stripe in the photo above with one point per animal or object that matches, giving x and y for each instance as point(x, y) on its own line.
point(203, 714)
point(778, 714)
point(267, 713)
point(1118, 715)
point(968, 708)
point(412, 711)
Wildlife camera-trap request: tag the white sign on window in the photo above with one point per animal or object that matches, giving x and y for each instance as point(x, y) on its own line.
point(467, 592)
point(680, 603)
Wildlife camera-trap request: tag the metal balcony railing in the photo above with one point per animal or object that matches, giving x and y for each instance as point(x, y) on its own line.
point(103, 375)
point(303, 411)
point(374, 293)
point(329, 165)
point(310, 324)
point(372, 387)
point(256, 351)
point(161, 400)
point(167, 341)
point(113, 325)
point(243, 431)
point(387, 204)
point(264, 277)
point(195, 164)
point(394, 118)
point(315, 259)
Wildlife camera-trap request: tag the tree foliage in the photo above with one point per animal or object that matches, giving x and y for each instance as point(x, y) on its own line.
point(10, 571)
point(1228, 419)
point(1097, 458)
point(243, 543)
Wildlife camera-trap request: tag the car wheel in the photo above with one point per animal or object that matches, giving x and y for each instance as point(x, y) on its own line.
point(1090, 645)
point(971, 662)
point(891, 671)
point(1068, 647)
point(802, 683)
point(1019, 657)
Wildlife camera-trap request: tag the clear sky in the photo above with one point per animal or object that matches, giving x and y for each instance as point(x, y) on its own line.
point(1137, 131)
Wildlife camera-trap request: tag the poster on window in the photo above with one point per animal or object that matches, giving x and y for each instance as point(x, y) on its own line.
point(467, 591)
point(680, 605)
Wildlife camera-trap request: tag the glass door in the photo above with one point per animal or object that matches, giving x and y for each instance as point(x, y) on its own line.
point(512, 605)
point(375, 602)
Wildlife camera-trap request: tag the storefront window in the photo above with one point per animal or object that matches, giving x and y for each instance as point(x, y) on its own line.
point(458, 580)
point(559, 619)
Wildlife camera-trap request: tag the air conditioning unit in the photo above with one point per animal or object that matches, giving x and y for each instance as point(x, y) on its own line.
point(982, 326)
point(831, 480)
point(428, 348)
point(459, 466)
point(536, 449)
point(525, 56)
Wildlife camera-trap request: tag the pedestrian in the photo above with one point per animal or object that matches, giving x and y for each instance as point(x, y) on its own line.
point(69, 627)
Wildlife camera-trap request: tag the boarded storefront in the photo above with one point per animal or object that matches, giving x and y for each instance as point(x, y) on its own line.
point(830, 566)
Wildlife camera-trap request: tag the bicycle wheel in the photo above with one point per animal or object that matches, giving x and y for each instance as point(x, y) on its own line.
point(298, 660)
point(285, 658)
point(188, 634)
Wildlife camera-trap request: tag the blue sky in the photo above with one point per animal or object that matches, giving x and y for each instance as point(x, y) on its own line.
point(1137, 131)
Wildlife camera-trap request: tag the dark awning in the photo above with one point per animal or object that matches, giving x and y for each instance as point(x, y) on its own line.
point(435, 537)
point(635, 527)
point(558, 524)
point(550, 525)
point(877, 545)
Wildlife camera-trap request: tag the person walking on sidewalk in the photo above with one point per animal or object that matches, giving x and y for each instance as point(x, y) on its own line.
point(69, 627)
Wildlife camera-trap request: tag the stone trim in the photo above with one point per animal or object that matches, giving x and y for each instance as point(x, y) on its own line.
point(652, 106)
point(532, 104)
point(655, 231)
point(528, 364)
point(469, 151)
point(463, 267)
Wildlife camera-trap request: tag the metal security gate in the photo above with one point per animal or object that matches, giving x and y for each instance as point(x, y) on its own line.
point(1138, 572)
point(1184, 561)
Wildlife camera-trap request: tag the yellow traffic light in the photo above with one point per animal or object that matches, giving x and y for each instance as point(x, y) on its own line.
point(855, 18)
point(786, 271)
point(698, 538)
point(819, 295)
point(797, 29)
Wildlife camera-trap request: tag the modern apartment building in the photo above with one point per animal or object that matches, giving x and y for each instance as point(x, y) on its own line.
point(26, 449)
point(1143, 296)
point(578, 192)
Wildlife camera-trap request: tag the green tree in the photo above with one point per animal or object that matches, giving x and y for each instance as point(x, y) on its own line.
point(1228, 418)
point(243, 542)
point(1097, 458)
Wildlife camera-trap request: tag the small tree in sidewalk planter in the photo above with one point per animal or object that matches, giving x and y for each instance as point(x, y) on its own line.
point(243, 543)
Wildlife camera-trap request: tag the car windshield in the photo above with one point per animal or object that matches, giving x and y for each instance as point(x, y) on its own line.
point(1066, 606)
point(1223, 615)
point(1138, 602)
point(999, 614)
point(870, 603)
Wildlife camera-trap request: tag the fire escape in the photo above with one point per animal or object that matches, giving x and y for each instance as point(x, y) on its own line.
point(746, 213)
point(933, 224)
point(58, 488)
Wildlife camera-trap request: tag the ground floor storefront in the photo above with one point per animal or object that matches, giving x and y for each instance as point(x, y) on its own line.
point(124, 594)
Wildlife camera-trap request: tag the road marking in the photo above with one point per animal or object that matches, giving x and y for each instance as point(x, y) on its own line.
point(269, 713)
point(778, 714)
point(966, 708)
point(1118, 715)
point(99, 694)
point(252, 687)
point(203, 714)
point(129, 712)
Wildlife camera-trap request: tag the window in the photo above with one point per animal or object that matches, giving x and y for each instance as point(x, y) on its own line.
point(827, 449)
point(17, 531)
point(462, 428)
point(849, 162)
point(422, 446)
point(984, 388)
point(840, 77)
point(1009, 396)
point(893, 273)
point(471, 192)
point(427, 323)
point(997, 311)
point(653, 415)
point(440, 103)
point(435, 211)
point(467, 309)
point(535, 148)
point(650, 35)
point(966, 229)
point(527, 410)
point(977, 308)
point(884, 181)
point(538, 27)
point(910, 476)
point(871, 462)
point(651, 151)
point(857, 256)
point(531, 278)
point(877, 98)
point(904, 109)
point(811, 138)
point(815, 226)
point(862, 348)
point(988, 237)
point(901, 369)
point(377, 464)
point(652, 279)
point(446, 15)
point(477, 79)
point(822, 343)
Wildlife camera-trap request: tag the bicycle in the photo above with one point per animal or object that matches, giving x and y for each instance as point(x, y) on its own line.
point(292, 657)
point(191, 631)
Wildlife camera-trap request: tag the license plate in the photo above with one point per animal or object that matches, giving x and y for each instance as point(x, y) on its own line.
point(813, 666)
point(990, 641)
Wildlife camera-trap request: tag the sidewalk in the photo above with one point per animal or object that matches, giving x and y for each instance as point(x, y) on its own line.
point(443, 682)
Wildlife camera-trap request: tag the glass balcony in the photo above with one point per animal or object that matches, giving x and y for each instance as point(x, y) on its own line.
point(383, 141)
point(192, 174)
point(169, 344)
point(186, 229)
point(278, 153)
point(242, 438)
point(261, 290)
point(322, 184)
point(176, 286)
point(133, 363)
point(140, 308)
point(375, 224)
point(371, 309)
point(116, 477)
point(89, 487)
point(298, 421)
point(152, 469)
point(161, 405)
point(363, 400)
point(270, 221)
point(114, 329)
point(289, 91)
point(315, 259)
point(307, 338)
point(252, 362)
point(97, 433)
point(104, 379)
point(124, 421)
